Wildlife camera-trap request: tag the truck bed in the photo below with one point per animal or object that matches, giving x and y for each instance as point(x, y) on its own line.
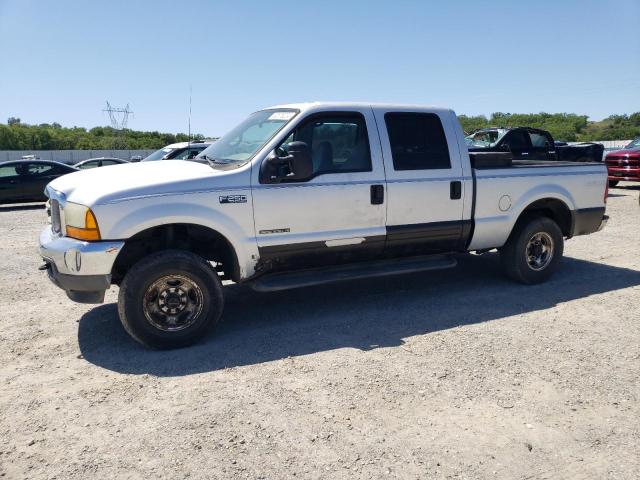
point(550, 163)
point(502, 191)
point(493, 160)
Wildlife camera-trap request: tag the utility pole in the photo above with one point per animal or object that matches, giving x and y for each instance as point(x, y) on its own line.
point(119, 116)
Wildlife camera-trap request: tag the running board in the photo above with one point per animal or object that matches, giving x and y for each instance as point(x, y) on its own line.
point(354, 271)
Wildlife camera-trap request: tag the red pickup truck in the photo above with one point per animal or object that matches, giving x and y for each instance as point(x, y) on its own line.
point(624, 164)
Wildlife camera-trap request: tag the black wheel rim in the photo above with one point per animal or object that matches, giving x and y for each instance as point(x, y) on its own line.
point(173, 303)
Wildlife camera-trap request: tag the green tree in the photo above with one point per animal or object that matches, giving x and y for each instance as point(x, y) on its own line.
point(19, 136)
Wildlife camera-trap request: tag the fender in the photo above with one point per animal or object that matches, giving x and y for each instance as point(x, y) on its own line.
point(234, 221)
point(540, 192)
point(493, 225)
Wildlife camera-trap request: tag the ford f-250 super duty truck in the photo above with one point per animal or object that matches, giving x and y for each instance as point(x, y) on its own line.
point(303, 194)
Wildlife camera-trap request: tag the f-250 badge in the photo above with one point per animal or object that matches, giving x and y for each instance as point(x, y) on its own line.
point(233, 199)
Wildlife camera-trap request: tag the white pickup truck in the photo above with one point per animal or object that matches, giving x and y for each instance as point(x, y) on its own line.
point(302, 194)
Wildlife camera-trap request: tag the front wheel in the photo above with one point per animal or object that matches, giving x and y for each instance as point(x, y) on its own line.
point(533, 250)
point(170, 299)
point(613, 183)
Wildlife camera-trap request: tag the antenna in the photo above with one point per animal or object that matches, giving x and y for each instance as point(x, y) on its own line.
point(190, 89)
point(119, 116)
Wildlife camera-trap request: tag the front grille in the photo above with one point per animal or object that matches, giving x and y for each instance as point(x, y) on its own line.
point(55, 216)
point(620, 161)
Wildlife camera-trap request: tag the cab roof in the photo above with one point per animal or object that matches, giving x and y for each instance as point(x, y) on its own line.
point(307, 106)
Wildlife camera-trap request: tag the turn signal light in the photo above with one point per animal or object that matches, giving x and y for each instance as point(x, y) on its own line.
point(88, 231)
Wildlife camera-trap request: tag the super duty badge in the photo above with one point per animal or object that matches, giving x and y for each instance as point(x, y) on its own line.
point(233, 199)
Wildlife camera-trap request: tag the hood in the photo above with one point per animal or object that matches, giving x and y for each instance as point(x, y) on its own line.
point(631, 152)
point(130, 180)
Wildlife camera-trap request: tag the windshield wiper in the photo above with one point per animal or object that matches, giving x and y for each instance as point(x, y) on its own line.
point(209, 160)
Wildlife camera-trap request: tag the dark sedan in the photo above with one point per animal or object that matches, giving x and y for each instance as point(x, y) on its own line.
point(24, 180)
point(99, 162)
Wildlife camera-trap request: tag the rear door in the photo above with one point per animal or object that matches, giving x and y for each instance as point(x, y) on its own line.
point(338, 215)
point(37, 175)
point(11, 188)
point(542, 147)
point(424, 182)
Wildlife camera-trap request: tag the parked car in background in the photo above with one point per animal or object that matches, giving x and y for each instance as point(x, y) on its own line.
point(135, 158)
point(624, 164)
point(99, 162)
point(179, 151)
point(526, 143)
point(24, 180)
point(522, 142)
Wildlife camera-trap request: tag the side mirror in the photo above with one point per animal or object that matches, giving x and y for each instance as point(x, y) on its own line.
point(297, 165)
point(301, 164)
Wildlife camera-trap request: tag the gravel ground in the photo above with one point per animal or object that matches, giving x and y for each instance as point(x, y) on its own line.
point(452, 374)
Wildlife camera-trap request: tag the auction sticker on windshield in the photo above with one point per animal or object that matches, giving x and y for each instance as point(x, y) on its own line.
point(281, 116)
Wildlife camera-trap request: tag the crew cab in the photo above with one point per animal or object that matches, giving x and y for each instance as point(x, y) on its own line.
point(526, 143)
point(303, 194)
point(624, 164)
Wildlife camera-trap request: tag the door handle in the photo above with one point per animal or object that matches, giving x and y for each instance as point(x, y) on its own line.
point(455, 190)
point(377, 194)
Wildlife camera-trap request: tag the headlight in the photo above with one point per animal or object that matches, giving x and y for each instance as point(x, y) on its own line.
point(80, 222)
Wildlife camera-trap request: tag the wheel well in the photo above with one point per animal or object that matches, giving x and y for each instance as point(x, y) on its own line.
point(197, 239)
point(555, 209)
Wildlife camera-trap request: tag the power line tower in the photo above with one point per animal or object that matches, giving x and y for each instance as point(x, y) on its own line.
point(119, 116)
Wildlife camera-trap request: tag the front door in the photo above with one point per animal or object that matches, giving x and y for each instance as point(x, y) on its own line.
point(425, 183)
point(542, 147)
point(338, 215)
point(517, 142)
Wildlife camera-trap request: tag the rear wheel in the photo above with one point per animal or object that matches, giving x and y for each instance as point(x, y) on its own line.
point(613, 183)
point(533, 250)
point(170, 299)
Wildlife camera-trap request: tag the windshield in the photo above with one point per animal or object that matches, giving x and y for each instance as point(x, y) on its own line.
point(485, 138)
point(158, 154)
point(634, 143)
point(242, 143)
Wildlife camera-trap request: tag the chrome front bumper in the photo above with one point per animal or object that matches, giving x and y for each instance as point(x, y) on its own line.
point(81, 269)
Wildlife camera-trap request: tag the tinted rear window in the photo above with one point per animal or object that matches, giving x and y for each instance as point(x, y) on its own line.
point(417, 141)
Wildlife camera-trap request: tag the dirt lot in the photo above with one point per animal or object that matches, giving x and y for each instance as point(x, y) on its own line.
point(453, 374)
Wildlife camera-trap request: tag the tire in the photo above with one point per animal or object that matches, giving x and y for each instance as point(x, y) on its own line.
point(516, 262)
point(613, 183)
point(170, 299)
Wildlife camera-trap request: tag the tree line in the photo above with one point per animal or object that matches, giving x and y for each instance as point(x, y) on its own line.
point(15, 135)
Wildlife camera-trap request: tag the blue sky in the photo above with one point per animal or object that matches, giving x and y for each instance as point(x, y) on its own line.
point(60, 60)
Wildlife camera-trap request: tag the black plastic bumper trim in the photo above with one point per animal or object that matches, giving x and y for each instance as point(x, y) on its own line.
point(586, 220)
point(80, 288)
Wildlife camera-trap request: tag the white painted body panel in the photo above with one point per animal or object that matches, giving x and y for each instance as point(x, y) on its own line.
point(578, 187)
point(332, 206)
